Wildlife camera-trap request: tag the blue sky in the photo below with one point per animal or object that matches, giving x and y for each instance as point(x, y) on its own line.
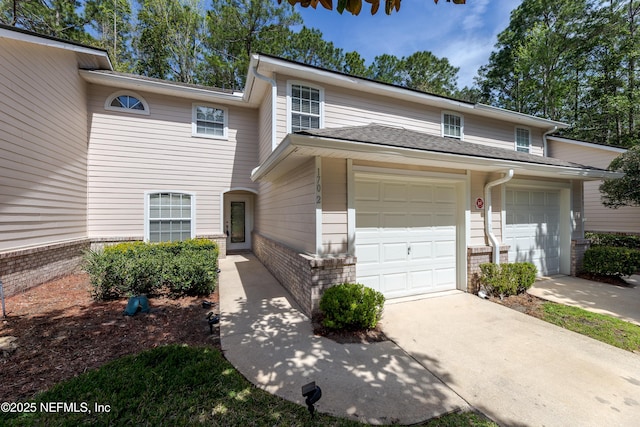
point(465, 34)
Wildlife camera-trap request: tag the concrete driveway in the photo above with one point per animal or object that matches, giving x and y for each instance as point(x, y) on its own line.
point(517, 369)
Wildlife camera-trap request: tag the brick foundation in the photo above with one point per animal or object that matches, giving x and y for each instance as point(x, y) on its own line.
point(477, 255)
point(304, 276)
point(25, 268)
point(578, 248)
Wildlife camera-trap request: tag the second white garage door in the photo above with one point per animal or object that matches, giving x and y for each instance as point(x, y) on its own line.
point(405, 235)
point(532, 230)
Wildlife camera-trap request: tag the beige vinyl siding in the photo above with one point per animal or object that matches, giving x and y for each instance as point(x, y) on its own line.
point(348, 107)
point(286, 209)
point(43, 135)
point(477, 234)
point(130, 154)
point(265, 117)
point(496, 133)
point(334, 206)
point(597, 217)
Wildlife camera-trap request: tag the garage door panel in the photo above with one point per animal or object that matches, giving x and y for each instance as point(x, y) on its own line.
point(420, 193)
point(369, 253)
point(394, 252)
point(394, 283)
point(371, 281)
point(367, 190)
point(393, 220)
point(533, 227)
point(392, 192)
point(419, 222)
point(446, 194)
point(416, 234)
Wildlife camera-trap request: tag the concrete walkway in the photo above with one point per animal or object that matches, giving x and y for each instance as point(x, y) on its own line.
point(448, 353)
point(618, 301)
point(518, 370)
point(266, 337)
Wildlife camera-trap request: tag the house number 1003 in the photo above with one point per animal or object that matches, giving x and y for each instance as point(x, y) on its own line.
point(318, 188)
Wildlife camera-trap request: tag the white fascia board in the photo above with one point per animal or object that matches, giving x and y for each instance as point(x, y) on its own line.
point(315, 145)
point(100, 54)
point(164, 88)
point(280, 153)
point(369, 86)
point(317, 75)
point(514, 116)
point(587, 144)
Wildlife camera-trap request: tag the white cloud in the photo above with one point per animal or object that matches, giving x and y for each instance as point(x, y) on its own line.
point(465, 34)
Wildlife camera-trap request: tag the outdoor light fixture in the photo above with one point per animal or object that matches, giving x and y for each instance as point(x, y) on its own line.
point(313, 393)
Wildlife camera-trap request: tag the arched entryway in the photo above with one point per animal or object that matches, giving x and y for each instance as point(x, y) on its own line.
point(238, 205)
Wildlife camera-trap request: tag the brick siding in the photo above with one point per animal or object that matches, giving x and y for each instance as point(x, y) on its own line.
point(304, 276)
point(25, 268)
point(578, 248)
point(477, 255)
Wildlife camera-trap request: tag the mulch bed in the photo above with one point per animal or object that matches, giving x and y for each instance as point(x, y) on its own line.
point(61, 332)
point(357, 336)
point(524, 303)
point(612, 280)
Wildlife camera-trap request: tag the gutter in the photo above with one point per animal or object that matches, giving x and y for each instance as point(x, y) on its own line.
point(274, 97)
point(493, 240)
point(544, 140)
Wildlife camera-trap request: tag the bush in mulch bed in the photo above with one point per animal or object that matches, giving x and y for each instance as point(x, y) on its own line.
point(176, 269)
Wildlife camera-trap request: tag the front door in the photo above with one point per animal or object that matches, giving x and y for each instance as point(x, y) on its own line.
point(238, 221)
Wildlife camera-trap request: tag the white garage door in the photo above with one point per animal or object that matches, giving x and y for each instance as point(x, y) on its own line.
point(405, 235)
point(533, 234)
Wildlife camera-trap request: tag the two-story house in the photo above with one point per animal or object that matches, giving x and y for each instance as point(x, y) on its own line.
point(326, 177)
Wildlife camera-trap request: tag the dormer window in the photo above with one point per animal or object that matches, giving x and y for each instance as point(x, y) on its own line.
point(305, 105)
point(127, 102)
point(452, 126)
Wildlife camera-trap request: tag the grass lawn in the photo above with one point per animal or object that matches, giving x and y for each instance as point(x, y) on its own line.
point(178, 386)
point(601, 327)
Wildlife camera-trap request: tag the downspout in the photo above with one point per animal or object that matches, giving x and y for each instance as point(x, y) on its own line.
point(544, 140)
point(274, 97)
point(493, 240)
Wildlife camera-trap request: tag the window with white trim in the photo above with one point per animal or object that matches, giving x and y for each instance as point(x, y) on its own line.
point(170, 217)
point(523, 140)
point(305, 107)
point(209, 121)
point(127, 102)
point(452, 126)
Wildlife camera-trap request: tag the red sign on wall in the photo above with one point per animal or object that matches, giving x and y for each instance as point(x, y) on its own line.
point(479, 203)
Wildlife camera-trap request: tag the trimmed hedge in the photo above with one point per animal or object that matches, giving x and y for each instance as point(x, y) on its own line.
point(351, 306)
point(611, 261)
point(176, 268)
point(615, 240)
point(507, 279)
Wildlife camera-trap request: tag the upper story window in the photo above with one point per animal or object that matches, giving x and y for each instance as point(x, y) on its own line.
point(170, 217)
point(209, 121)
point(452, 125)
point(523, 140)
point(128, 102)
point(305, 105)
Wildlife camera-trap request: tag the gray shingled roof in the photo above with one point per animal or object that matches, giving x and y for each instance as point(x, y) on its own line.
point(405, 138)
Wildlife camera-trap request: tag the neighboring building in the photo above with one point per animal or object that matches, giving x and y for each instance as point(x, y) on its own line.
point(326, 177)
point(597, 217)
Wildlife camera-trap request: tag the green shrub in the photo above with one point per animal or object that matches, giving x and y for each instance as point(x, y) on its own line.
point(351, 306)
point(126, 269)
point(507, 279)
point(616, 240)
point(191, 272)
point(611, 261)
